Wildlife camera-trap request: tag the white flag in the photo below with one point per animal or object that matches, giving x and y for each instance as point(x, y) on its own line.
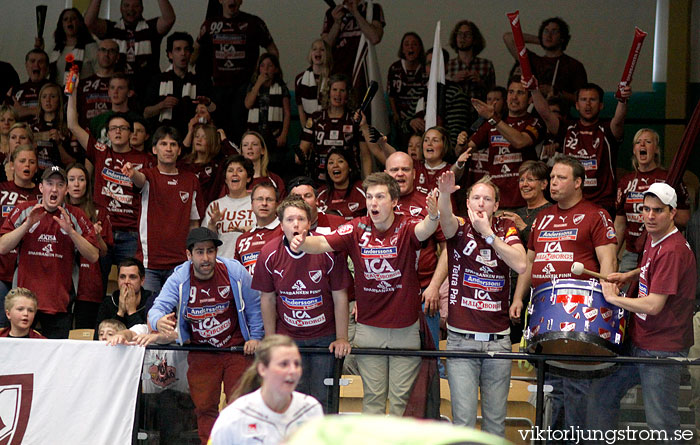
point(67, 392)
point(437, 76)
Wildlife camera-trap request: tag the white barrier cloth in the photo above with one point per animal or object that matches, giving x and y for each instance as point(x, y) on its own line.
point(67, 392)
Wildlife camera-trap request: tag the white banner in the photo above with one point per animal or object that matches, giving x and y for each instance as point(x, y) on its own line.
point(67, 392)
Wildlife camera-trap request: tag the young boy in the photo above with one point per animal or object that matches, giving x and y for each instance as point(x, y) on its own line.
point(20, 308)
point(109, 328)
point(171, 204)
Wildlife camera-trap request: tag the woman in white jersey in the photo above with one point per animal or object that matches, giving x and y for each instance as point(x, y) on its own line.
point(266, 408)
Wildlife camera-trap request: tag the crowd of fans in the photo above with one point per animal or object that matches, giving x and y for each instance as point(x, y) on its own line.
point(124, 169)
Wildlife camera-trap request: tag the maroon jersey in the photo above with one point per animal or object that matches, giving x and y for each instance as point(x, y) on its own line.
point(326, 133)
point(479, 278)
point(168, 203)
point(47, 154)
point(47, 254)
point(233, 46)
point(630, 199)
point(26, 94)
point(348, 39)
point(668, 268)
point(426, 177)
point(93, 98)
point(90, 277)
point(560, 237)
point(596, 148)
point(347, 203)
point(114, 190)
point(405, 87)
point(249, 244)
point(10, 195)
point(414, 205)
point(303, 284)
point(211, 310)
point(387, 290)
point(504, 160)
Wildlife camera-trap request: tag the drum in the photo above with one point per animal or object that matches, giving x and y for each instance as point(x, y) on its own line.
point(572, 317)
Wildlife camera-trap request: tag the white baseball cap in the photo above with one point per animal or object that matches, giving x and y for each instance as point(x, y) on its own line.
point(664, 192)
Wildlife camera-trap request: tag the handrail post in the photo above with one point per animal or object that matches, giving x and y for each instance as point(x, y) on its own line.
point(539, 407)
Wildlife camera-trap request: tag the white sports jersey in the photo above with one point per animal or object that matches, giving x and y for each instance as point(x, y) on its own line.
point(249, 421)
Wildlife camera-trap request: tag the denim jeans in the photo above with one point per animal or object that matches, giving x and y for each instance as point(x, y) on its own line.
point(465, 376)
point(569, 398)
point(660, 388)
point(316, 368)
point(155, 279)
point(125, 246)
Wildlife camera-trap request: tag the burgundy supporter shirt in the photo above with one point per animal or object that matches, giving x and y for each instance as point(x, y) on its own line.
point(249, 244)
point(479, 278)
point(596, 148)
point(414, 205)
point(504, 160)
point(47, 254)
point(668, 268)
point(114, 190)
point(561, 237)
point(387, 290)
point(211, 310)
point(90, 276)
point(168, 203)
point(10, 195)
point(348, 206)
point(303, 284)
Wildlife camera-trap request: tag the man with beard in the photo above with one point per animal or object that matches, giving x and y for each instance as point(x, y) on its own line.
point(475, 75)
point(554, 37)
point(24, 98)
point(594, 142)
point(214, 306)
point(138, 38)
point(510, 140)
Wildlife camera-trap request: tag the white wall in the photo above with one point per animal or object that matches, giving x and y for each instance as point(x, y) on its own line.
point(602, 30)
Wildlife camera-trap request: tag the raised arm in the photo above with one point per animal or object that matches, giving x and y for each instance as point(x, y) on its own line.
point(95, 24)
point(167, 17)
point(72, 119)
point(510, 42)
point(448, 221)
point(372, 31)
point(617, 123)
point(429, 225)
point(88, 251)
point(542, 107)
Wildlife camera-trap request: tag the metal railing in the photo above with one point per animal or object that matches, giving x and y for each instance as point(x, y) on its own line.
point(539, 359)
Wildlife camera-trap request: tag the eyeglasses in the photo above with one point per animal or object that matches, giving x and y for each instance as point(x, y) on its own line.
point(261, 199)
point(108, 50)
point(119, 127)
